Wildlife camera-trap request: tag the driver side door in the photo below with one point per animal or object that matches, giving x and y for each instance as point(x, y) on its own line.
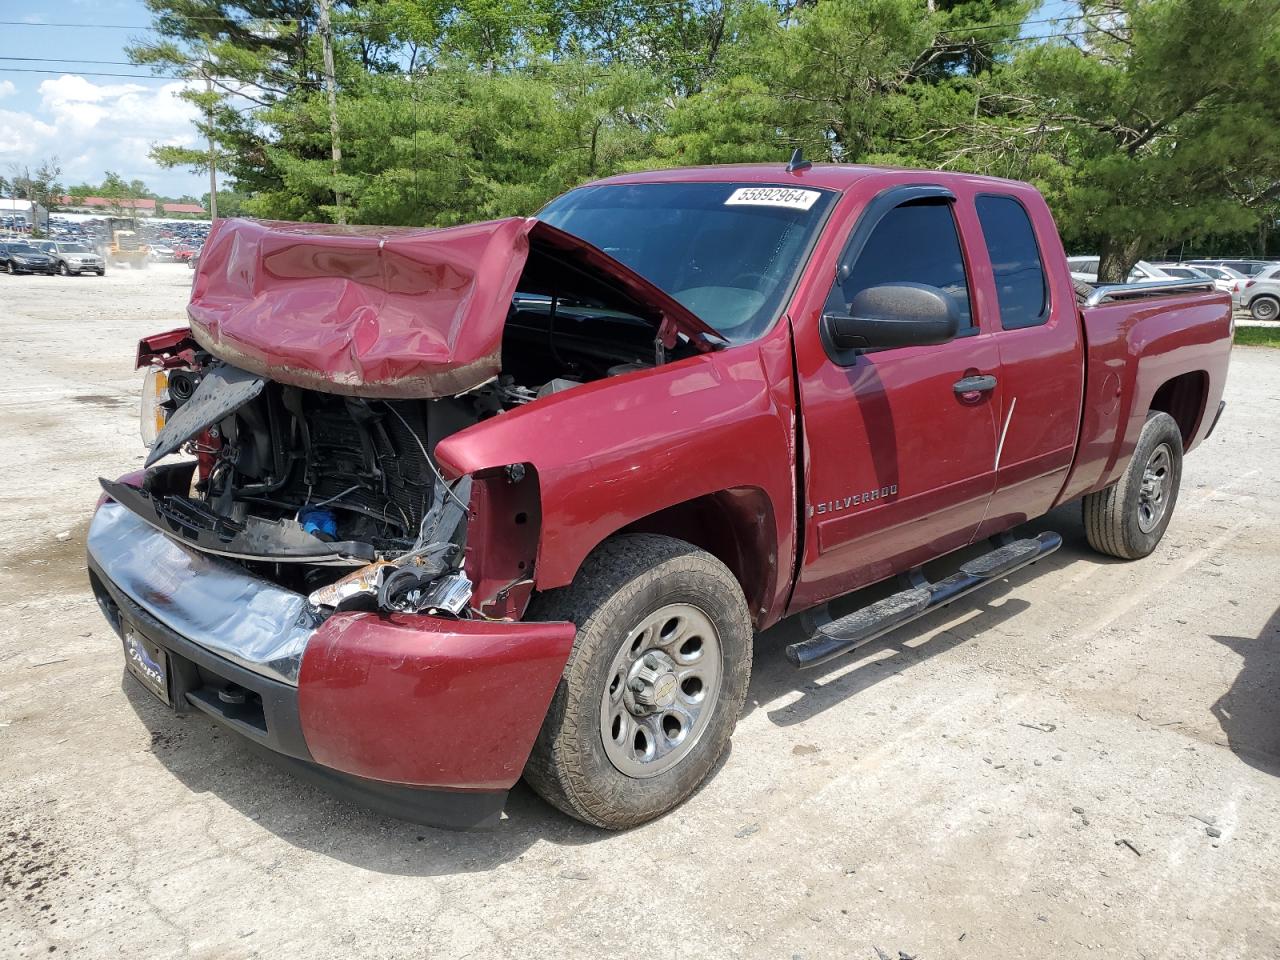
point(899, 458)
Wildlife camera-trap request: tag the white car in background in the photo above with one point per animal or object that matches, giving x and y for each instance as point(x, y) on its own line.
point(1086, 268)
point(1260, 294)
point(1250, 268)
point(1224, 278)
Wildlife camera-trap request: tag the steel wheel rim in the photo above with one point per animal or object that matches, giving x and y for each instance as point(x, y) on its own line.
point(1266, 310)
point(1153, 495)
point(661, 691)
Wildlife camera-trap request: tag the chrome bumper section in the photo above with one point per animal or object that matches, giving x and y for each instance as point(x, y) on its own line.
point(212, 602)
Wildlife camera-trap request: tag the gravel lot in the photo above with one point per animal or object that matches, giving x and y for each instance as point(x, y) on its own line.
point(1082, 762)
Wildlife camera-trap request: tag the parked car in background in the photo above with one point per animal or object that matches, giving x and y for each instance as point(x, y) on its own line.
point(1250, 268)
point(1260, 294)
point(184, 252)
point(1222, 280)
point(1086, 268)
point(162, 253)
point(71, 257)
point(22, 257)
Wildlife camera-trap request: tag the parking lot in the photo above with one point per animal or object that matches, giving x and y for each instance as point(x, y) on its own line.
point(1084, 761)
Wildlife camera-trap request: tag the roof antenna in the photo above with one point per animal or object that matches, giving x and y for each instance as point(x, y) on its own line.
point(798, 162)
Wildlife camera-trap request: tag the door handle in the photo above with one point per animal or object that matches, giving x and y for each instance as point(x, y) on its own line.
point(972, 385)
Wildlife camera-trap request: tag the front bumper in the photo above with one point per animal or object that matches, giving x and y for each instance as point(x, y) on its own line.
point(423, 718)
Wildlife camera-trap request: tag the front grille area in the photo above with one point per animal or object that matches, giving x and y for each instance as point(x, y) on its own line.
point(365, 445)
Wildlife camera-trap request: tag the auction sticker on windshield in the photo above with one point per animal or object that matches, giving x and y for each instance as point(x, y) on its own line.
point(773, 197)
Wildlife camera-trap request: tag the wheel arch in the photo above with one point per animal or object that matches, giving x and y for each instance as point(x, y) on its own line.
point(1184, 398)
point(737, 526)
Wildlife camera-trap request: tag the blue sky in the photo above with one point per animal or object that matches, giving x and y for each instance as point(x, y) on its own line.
point(94, 122)
point(91, 122)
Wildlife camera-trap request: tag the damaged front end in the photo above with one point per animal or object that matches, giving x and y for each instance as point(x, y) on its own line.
point(334, 497)
point(322, 367)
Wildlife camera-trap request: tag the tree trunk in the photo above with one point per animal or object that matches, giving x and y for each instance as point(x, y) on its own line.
point(1116, 257)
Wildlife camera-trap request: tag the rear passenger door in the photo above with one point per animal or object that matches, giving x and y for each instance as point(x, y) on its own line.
point(1041, 356)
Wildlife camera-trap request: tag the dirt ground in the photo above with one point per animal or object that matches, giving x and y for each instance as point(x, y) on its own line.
point(1083, 762)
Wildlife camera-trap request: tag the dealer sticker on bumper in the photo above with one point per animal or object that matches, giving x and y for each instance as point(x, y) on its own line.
point(148, 662)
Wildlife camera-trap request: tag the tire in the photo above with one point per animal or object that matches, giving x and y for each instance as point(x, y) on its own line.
point(62, 269)
point(1265, 308)
point(9, 267)
point(681, 591)
point(102, 272)
point(1128, 518)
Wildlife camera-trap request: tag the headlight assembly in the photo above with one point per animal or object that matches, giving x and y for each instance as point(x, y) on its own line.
point(152, 412)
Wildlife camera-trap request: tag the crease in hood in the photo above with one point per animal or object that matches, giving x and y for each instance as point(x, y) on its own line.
point(398, 311)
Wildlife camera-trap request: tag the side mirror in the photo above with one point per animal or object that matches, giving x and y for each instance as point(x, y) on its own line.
point(894, 315)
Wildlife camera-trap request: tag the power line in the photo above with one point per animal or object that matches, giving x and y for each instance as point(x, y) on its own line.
point(92, 73)
point(110, 63)
point(354, 26)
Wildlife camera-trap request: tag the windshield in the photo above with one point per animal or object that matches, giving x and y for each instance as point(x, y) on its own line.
point(22, 248)
point(727, 251)
point(74, 248)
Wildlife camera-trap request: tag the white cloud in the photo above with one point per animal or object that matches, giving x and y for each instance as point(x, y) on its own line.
point(94, 127)
point(6, 88)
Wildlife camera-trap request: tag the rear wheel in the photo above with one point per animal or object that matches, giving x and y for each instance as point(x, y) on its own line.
point(1128, 518)
point(654, 684)
point(1265, 308)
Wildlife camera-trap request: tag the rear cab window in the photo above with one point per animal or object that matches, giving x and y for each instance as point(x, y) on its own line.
point(1022, 290)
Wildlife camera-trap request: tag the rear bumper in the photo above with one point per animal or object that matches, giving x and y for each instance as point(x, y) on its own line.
point(426, 719)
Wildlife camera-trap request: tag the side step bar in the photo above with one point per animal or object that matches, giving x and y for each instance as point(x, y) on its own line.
point(862, 626)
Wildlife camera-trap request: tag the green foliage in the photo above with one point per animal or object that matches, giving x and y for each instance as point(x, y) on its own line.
point(1146, 122)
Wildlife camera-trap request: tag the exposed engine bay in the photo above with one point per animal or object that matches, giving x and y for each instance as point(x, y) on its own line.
point(339, 497)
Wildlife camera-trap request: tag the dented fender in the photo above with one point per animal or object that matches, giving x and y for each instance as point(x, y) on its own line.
point(613, 452)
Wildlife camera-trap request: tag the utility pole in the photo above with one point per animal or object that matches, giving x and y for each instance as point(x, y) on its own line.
point(326, 39)
point(213, 157)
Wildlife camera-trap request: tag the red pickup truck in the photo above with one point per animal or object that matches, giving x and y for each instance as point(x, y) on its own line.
point(509, 499)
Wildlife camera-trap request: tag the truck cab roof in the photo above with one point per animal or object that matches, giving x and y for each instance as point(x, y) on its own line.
point(828, 176)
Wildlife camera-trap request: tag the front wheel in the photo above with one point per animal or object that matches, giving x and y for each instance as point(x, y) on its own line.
point(1128, 518)
point(653, 686)
point(1265, 308)
point(62, 269)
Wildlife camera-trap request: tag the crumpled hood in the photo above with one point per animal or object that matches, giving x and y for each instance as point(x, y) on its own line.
point(395, 311)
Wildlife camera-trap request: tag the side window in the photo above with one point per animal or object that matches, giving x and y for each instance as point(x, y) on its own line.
point(914, 243)
point(1021, 289)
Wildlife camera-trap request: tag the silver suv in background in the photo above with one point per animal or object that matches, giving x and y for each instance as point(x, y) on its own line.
point(1260, 294)
point(73, 257)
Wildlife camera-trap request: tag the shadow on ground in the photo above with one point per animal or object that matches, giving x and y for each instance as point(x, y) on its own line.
point(207, 758)
point(832, 684)
point(1249, 712)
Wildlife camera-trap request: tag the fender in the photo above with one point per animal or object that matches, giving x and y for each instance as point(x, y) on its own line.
point(615, 451)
